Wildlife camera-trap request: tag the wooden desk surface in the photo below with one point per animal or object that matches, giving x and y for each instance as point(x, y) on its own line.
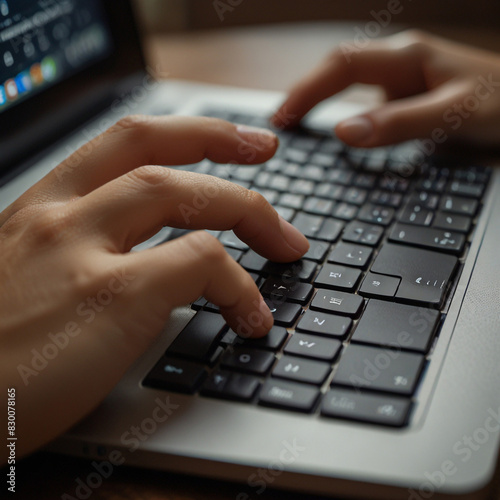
point(242, 57)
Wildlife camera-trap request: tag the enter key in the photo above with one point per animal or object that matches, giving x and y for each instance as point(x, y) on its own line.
point(425, 275)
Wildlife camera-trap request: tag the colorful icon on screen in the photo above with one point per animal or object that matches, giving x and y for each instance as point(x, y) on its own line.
point(36, 74)
point(49, 68)
point(23, 82)
point(3, 97)
point(11, 90)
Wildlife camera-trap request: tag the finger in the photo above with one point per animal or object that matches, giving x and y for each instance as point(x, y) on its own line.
point(135, 206)
point(141, 140)
point(392, 63)
point(195, 265)
point(403, 119)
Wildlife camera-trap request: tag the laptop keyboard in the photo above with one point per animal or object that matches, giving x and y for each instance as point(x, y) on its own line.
point(357, 317)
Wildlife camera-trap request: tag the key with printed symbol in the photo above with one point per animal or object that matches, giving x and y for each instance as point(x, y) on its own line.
point(284, 313)
point(425, 275)
point(280, 290)
point(337, 277)
point(301, 370)
point(379, 285)
point(248, 360)
point(372, 408)
point(377, 369)
point(350, 254)
point(346, 304)
point(228, 385)
point(325, 324)
point(176, 375)
point(427, 237)
point(289, 396)
point(311, 346)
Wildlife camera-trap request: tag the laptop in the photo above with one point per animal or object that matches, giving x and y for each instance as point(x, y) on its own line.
point(381, 376)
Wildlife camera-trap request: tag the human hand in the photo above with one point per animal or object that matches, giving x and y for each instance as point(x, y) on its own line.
point(430, 83)
point(77, 308)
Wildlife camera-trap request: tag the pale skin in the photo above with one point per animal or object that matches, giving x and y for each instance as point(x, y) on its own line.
point(67, 239)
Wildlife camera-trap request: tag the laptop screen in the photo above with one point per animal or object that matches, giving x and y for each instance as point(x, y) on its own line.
point(61, 63)
point(45, 41)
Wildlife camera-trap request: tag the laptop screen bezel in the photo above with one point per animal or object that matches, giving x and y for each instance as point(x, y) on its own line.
point(35, 123)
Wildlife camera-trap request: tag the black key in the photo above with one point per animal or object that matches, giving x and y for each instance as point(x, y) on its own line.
point(458, 205)
point(355, 195)
point(376, 214)
point(252, 261)
point(286, 213)
point(452, 222)
point(371, 408)
point(424, 200)
point(296, 155)
point(291, 200)
point(248, 360)
point(200, 337)
point(317, 250)
point(229, 239)
point(397, 325)
point(289, 396)
point(199, 303)
point(229, 338)
point(425, 275)
point(329, 191)
point(318, 206)
point(325, 324)
point(302, 270)
point(234, 253)
point(337, 277)
point(284, 313)
point(360, 232)
point(427, 237)
point(345, 304)
point(330, 230)
point(350, 254)
point(378, 369)
point(312, 173)
point(468, 189)
point(432, 184)
point(280, 290)
point(379, 285)
point(227, 385)
point(301, 370)
point(365, 181)
point(301, 186)
point(245, 172)
point(273, 341)
point(340, 176)
point(307, 224)
point(324, 160)
point(386, 198)
point(176, 375)
point(415, 215)
point(311, 346)
point(391, 182)
point(345, 211)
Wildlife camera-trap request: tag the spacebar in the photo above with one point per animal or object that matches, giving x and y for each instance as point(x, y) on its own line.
point(425, 275)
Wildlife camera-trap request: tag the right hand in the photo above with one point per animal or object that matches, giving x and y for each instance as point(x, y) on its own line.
point(429, 82)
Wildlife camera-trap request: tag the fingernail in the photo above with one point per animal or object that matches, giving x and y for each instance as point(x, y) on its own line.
point(357, 129)
point(258, 137)
point(267, 316)
point(295, 239)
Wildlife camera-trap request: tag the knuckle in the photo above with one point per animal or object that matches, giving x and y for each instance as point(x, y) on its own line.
point(207, 247)
point(257, 202)
point(153, 178)
point(52, 225)
point(414, 41)
point(132, 122)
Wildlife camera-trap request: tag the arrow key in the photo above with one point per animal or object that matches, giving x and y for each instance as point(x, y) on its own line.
point(227, 385)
